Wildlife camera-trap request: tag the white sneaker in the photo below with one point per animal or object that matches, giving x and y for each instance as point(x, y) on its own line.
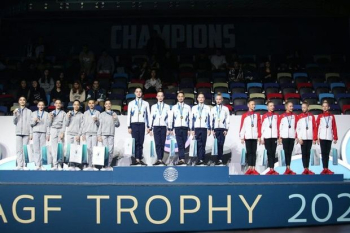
point(59, 168)
point(54, 168)
point(95, 169)
point(109, 169)
point(71, 169)
point(77, 169)
point(38, 168)
point(88, 169)
point(103, 169)
point(25, 168)
point(18, 168)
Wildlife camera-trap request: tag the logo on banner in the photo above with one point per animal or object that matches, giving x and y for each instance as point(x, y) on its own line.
point(170, 174)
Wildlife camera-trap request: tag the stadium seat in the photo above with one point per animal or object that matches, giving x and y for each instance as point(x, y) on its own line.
point(304, 88)
point(342, 99)
point(326, 96)
point(335, 109)
point(219, 77)
point(226, 99)
point(142, 81)
point(129, 97)
point(98, 108)
point(240, 109)
point(237, 87)
point(203, 87)
point(258, 98)
point(337, 88)
point(279, 109)
point(315, 109)
point(220, 87)
point(321, 88)
point(293, 97)
point(297, 109)
point(125, 110)
point(300, 78)
point(117, 109)
point(276, 98)
point(262, 109)
point(208, 98)
point(170, 101)
point(239, 99)
point(346, 109)
point(117, 102)
point(287, 88)
point(254, 88)
point(151, 101)
point(230, 108)
point(332, 77)
point(189, 99)
point(133, 86)
point(150, 96)
point(284, 78)
point(271, 88)
point(3, 110)
point(311, 98)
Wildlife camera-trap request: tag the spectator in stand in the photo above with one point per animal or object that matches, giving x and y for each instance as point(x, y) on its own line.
point(64, 82)
point(266, 73)
point(105, 64)
point(42, 63)
point(218, 61)
point(156, 45)
point(77, 92)
point(144, 71)
point(36, 94)
point(203, 62)
point(58, 93)
point(153, 84)
point(46, 82)
point(96, 93)
point(23, 90)
point(154, 63)
point(87, 60)
point(235, 72)
point(40, 47)
point(84, 81)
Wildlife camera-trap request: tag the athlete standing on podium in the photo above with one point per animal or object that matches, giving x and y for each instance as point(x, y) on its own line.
point(219, 123)
point(269, 132)
point(200, 126)
point(306, 135)
point(137, 121)
point(286, 129)
point(250, 134)
point(326, 133)
point(180, 121)
point(159, 126)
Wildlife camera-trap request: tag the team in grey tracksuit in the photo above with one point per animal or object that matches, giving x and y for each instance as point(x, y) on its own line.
point(106, 130)
point(74, 122)
point(91, 123)
point(22, 120)
point(57, 128)
point(40, 132)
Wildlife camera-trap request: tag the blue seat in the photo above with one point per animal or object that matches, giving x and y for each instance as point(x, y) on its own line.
point(3, 109)
point(240, 109)
point(299, 74)
point(116, 96)
point(325, 95)
point(120, 75)
point(333, 85)
point(309, 96)
point(297, 107)
point(271, 85)
point(239, 96)
point(218, 75)
point(225, 95)
point(170, 96)
point(130, 96)
point(249, 85)
point(279, 108)
point(260, 107)
point(321, 85)
point(237, 85)
point(342, 96)
point(119, 85)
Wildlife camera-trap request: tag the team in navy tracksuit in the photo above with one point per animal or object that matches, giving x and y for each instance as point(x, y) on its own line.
point(200, 126)
point(219, 124)
point(159, 126)
point(137, 121)
point(180, 121)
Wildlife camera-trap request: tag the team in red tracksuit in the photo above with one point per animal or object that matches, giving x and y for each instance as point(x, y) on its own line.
point(286, 130)
point(326, 133)
point(269, 134)
point(306, 135)
point(250, 133)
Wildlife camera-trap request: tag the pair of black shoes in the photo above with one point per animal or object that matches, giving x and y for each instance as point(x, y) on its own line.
point(138, 163)
point(159, 163)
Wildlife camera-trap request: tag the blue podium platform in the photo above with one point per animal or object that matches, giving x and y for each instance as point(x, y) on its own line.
point(160, 199)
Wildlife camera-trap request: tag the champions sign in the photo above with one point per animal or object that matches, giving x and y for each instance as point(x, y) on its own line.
point(190, 36)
